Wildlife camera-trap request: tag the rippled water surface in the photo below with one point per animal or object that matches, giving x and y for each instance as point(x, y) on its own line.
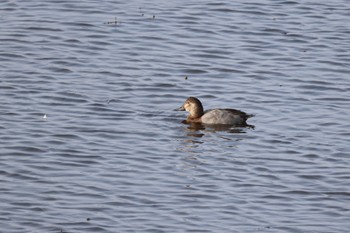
point(111, 155)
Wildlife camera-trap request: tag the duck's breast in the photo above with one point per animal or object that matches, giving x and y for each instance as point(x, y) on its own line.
point(222, 116)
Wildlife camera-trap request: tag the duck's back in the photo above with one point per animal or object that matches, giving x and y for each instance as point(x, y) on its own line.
point(224, 116)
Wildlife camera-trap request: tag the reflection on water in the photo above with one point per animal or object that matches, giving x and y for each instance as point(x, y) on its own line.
point(199, 138)
point(199, 129)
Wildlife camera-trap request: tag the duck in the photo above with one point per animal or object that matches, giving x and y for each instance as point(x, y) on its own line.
point(216, 116)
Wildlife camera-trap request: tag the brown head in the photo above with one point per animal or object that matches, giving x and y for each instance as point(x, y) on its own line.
point(193, 106)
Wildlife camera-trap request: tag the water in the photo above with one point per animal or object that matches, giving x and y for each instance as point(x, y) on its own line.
point(112, 155)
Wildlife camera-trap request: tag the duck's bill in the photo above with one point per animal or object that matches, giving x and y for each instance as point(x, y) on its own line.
point(180, 109)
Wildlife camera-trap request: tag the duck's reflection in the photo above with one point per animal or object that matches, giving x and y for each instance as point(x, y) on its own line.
point(197, 129)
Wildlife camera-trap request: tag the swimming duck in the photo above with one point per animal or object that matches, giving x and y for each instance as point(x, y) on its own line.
point(212, 116)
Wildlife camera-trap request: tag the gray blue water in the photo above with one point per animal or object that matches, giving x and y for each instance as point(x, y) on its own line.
point(111, 155)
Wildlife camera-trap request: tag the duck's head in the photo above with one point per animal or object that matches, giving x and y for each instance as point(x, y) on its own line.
point(193, 106)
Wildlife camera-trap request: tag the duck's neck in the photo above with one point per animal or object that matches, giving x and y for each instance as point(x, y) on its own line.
point(197, 112)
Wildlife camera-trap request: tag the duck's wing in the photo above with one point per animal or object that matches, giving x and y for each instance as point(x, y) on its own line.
point(239, 112)
point(223, 116)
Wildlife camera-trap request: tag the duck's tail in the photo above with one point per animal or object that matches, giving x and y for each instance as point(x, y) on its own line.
point(248, 125)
